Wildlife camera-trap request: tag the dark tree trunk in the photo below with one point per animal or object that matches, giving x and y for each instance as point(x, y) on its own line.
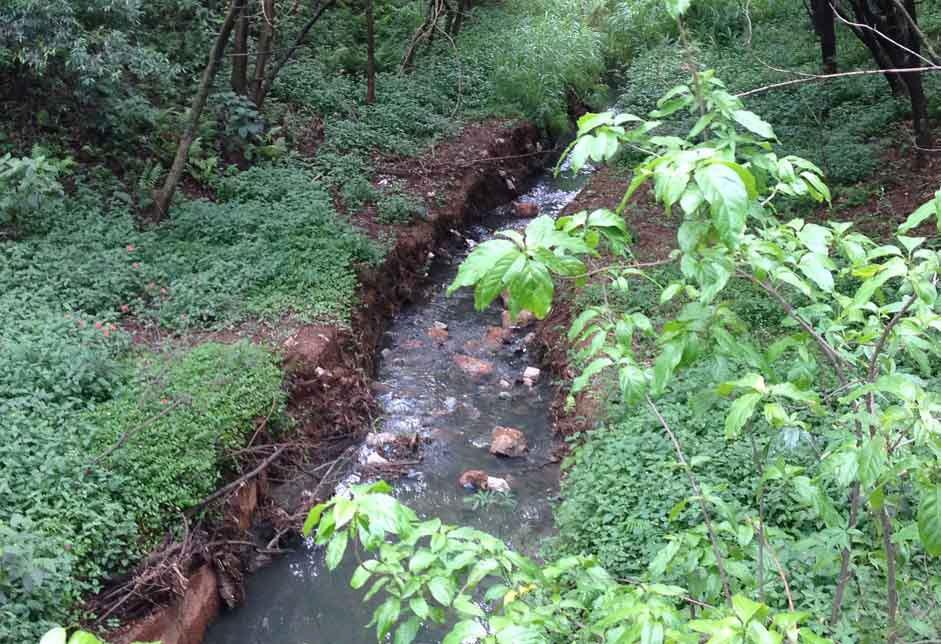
point(266, 40)
point(164, 195)
point(370, 54)
point(240, 51)
point(894, 40)
point(826, 32)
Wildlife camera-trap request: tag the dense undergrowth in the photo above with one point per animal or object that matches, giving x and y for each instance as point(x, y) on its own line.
point(846, 125)
point(103, 444)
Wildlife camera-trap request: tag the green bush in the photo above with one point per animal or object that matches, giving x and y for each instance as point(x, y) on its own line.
point(81, 502)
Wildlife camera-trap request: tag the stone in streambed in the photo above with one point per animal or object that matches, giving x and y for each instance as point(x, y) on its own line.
point(474, 479)
point(524, 319)
point(473, 367)
point(531, 376)
point(380, 439)
point(526, 209)
point(496, 337)
point(506, 441)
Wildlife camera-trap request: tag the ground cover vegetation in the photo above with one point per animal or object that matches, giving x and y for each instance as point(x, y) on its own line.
point(810, 503)
point(770, 470)
point(186, 166)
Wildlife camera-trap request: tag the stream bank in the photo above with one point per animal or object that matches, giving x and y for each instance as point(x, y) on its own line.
point(328, 375)
point(459, 387)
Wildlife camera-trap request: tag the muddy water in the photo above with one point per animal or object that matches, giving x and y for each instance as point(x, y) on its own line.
point(297, 600)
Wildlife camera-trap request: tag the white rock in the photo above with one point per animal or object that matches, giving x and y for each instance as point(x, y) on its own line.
point(376, 460)
point(505, 384)
point(531, 376)
point(495, 484)
point(378, 439)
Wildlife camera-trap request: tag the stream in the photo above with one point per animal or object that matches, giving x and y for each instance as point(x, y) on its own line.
point(296, 600)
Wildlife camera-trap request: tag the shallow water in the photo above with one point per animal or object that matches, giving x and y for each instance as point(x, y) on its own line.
point(296, 600)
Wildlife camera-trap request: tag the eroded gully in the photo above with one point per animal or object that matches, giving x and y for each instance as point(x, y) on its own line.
point(422, 390)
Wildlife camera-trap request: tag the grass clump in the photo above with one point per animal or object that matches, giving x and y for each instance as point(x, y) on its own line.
point(98, 455)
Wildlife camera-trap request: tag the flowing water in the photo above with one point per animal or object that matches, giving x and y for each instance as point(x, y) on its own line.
point(296, 600)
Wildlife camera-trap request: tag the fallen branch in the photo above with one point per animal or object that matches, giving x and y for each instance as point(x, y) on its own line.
point(238, 482)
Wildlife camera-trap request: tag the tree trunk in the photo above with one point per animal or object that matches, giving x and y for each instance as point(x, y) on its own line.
point(239, 79)
point(370, 54)
point(164, 195)
point(874, 44)
point(826, 31)
point(913, 81)
point(266, 40)
point(320, 8)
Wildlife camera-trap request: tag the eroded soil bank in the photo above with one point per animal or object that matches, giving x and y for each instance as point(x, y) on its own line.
point(178, 590)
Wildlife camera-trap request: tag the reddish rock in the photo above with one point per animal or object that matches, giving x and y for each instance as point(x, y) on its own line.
point(476, 479)
point(183, 622)
point(506, 441)
point(526, 209)
point(524, 319)
point(496, 337)
point(472, 366)
point(438, 334)
point(413, 345)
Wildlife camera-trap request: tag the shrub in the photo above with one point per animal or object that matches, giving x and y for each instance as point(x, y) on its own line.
point(92, 487)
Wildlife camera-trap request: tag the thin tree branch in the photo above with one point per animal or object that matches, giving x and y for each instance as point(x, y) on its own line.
point(694, 483)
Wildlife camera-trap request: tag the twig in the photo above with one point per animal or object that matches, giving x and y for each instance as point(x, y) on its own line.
point(694, 483)
point(686, 598)
point(822, 77)
point(236, 483)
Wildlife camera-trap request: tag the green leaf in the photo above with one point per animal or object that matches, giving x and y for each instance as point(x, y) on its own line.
point(313, 518)
point(442, 589)
point(745, 608)
point(814, 266)
point(480, 261)
point(531, 288)
point(929, 521)
point(740, 412)
point(753, 123)
point(493, 282)
point(584, 378)
point(343, 511)
point(815, 238)
point(360, 576)
point(419, 606)
point(670, 292)
point(386, 615)
point(421, 560)
point(817, 186)
point(84, 637)
point(664, 365)
point(468, 630)
point(872, 461)
point(465, 606)
point(922, 213)
point(336, 549)
point(728, 196)
point(55, 636)
point(407, 632)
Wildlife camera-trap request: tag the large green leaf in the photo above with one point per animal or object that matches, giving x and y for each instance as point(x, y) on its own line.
point(754, 123)
point(466, 631)
point(494, 281)
point(55, 636)
point(480, 261)
point(442, 589)
point(728, 196)
point(407, 632)
point(814, 266)
point(531, 288)
point(929, 521)
point(336, 549)
point(922, 213)
point(386, 615)
point(740, 412)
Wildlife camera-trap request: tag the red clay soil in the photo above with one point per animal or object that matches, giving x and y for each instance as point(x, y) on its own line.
point(329, 370)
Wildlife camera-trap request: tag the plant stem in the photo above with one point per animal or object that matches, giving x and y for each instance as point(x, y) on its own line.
point(694, 483)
